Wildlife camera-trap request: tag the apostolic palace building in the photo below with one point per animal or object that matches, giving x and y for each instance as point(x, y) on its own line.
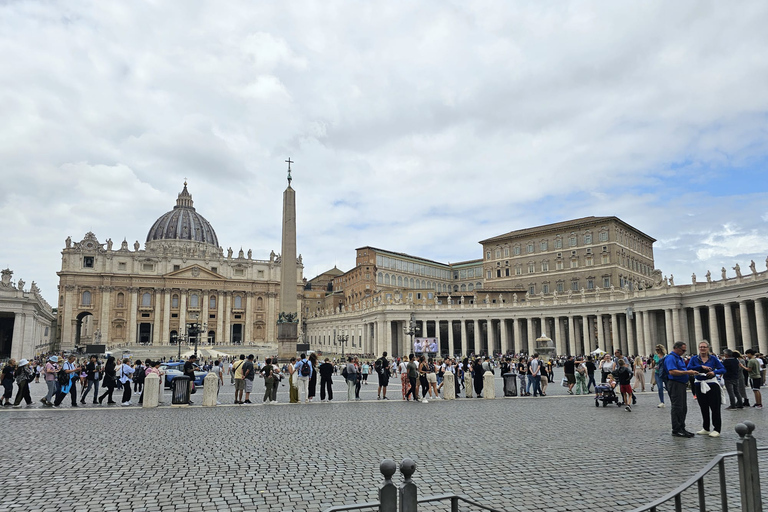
point(115, 295)
point(586, 283)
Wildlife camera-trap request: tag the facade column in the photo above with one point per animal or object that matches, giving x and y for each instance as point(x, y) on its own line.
point(629, 335)
point(714, 335)
point(166, 335)
point(220, 318)
point(730, 332)
point(491, 337)
point(132, 323)
point(451, 347)
point(517, 333)
point(478, 337)
point(464, 344)
point(17, 341)
point(158, 327)
point(669, 328)
point(698, 330)
point(762, 336)
point(642, 349)
point(105, 310)
point(248, 334)
point(746, 328)
point(67, 338)
point(504, 336)
point(600, 334)
point(271, 317)
point(580, 346)
point(228, 318)
point(616, 335)
point(381, 338)
point(589, 335)
point(559, 346)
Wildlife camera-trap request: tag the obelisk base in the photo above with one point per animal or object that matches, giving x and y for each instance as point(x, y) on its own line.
point(287, 338)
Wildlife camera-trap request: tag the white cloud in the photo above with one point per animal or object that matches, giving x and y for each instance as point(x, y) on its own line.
point(420, 127)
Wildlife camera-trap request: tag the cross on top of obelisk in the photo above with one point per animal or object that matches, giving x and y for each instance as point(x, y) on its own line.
point(289, 169)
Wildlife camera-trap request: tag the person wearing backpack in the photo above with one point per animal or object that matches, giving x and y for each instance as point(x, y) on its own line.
point(304, 370)
point(138, 378)
point(92, 377)
point(67, 377)
point(110, 376)
point(249, 373)
point(8, 376)
point(381, 367)
point(24, 375)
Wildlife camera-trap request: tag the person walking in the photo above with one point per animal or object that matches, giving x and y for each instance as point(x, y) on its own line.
point(731, 378)
point(126, 378)
point(24, 375)
point(677, 382)
point(413, 375)
point(269, 381)
point(659, 373)
point(237, 373)
point(522, 373)
point(93, 376)
point(639, 369)
point(755, 377)
point(217, 371)
point(535, 374)
point(581, 379)
point(381, 367)
point(477, 377)
point(707, 387)
point(303, 371)
point(467, 371)
point(591, 368)
point(404, 382)
point(569, 369)
point(110, 378)
point(606, 366)
point(359, 379)
point(743, 377)
point(249, 374)
point(8, 378)
point(326, 380)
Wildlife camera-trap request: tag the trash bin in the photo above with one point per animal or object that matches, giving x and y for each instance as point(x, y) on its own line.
point(180, 390)
point(510, 384)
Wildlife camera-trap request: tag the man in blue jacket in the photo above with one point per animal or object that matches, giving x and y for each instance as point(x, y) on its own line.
point(676, 385)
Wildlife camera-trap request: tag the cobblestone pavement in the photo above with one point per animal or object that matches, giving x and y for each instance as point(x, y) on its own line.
point(556, 453)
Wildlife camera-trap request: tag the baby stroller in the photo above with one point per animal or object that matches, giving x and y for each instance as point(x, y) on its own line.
point(606, 394)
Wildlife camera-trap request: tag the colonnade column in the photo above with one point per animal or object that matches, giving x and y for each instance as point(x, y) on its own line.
point(746, 329)
point(158, 327)
point(478, 337)
point(616, 335)
point(714, 336)
point(730, 332)
point(600, 334)
point(571, 348)
point(491, 337)
point(451, 347)
point(668, 325)
point(504, 336)
point(632, 346)
point(517, 333)
point(698, 330)
point(134, 307)
point(579, 344)
point(531, 336)
point(589, 335)
point(676, 327)
point(559, 346)
point(464, 344)
point(762, 341)
point(647, 333)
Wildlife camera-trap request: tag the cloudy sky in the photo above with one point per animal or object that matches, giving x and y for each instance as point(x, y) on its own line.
point(420, 127)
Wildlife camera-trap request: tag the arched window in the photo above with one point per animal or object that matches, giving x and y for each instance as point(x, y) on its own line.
point(194, 301)
point(259, 303)
point(386, 278)
point(412, 283)
point(212, 302)
point(463, 287)
point(399, 280)
point(470, 287)
point(120, 299)
point(86, 298)
point(146, 299)
point(175, 301)
point(380, 278)
point(238, 302)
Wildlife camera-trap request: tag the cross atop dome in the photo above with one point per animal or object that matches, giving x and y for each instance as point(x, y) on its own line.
point(289, 170)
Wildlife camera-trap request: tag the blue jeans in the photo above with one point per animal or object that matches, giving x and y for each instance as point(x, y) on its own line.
point(91, 384)
point(591, 382)
point(536, 383)
point(53, 389)
point(522, 383)
point(660, 385)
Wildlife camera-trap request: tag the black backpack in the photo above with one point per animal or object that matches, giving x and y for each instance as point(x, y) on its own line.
point(305, 369)
point(62, 377)
point(139, 375)
point(378, 365)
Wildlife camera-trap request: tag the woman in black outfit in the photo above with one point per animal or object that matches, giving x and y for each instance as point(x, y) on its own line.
point(313, 378)
point(109, 381)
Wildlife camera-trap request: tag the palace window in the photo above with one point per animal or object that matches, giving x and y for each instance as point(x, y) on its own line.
point(590, 284)
point(605, 259)
point(575, 263)
point(575, 286)
point(176, 267)
point(239, 272)
point(488, 255)
point(545, 288)
point(588, 238)
point(517, 250)
point(506, 252)
point(238, 302)
point(148, 267)
point(558, 243)
point(506, 272)
point(498, 253)
point(518, 270)
point(498, 273)
point(146, 299)
point(603, 236)
point(545, 266)
point(529, 248)
point(606, 282)
point(588, 261)
point(194, 301)
point(531, 268)
point(572, 241)
point(532, 289)
point(559, 265)
point(212, 302)
point(487, 276)
point(122, 266)
point(560, 287)
point(86, 300)
point(543, 245)
point(175, 301)
point(120, 299)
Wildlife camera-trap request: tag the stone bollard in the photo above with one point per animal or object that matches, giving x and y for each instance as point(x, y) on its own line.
point(161, 390)
point(210, 390)
point(468, 384)
point(151, 383)
point(449, 386)
point(489, 389)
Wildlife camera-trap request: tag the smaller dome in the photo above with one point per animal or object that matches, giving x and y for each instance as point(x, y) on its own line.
point(183, 223)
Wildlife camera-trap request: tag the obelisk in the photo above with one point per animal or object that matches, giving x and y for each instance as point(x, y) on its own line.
point(288, 321)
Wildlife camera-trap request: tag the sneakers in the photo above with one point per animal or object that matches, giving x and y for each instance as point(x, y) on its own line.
point(703, 432)
point(247, 402)
point(731, 408)
point(684, 433)
point(385, 398)
point(661, 405)
point(126, 404)
point(378, 398)
point(714, 433)
point(628, 408)
point(759, 406)
point(424, 401)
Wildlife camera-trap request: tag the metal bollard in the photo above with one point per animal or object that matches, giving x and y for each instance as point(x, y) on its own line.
point(388, 492)
point(408, 493)
point(749, 472)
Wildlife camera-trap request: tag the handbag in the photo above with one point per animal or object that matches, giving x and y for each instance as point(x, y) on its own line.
point(564, 382)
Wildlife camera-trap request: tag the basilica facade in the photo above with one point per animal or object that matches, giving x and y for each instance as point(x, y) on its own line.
point(150, 296)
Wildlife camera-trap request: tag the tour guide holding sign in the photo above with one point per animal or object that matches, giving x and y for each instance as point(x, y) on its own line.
point(676, 387)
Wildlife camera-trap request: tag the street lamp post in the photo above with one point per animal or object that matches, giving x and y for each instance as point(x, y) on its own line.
point(342, 338)
point(411, 330)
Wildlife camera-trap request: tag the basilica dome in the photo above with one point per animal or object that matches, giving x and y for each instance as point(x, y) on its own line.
point(183, 223)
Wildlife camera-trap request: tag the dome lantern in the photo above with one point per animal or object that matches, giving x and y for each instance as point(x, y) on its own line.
point(183, 223)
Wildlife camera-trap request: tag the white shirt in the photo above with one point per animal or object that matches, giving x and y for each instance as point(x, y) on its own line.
point(125, 373)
